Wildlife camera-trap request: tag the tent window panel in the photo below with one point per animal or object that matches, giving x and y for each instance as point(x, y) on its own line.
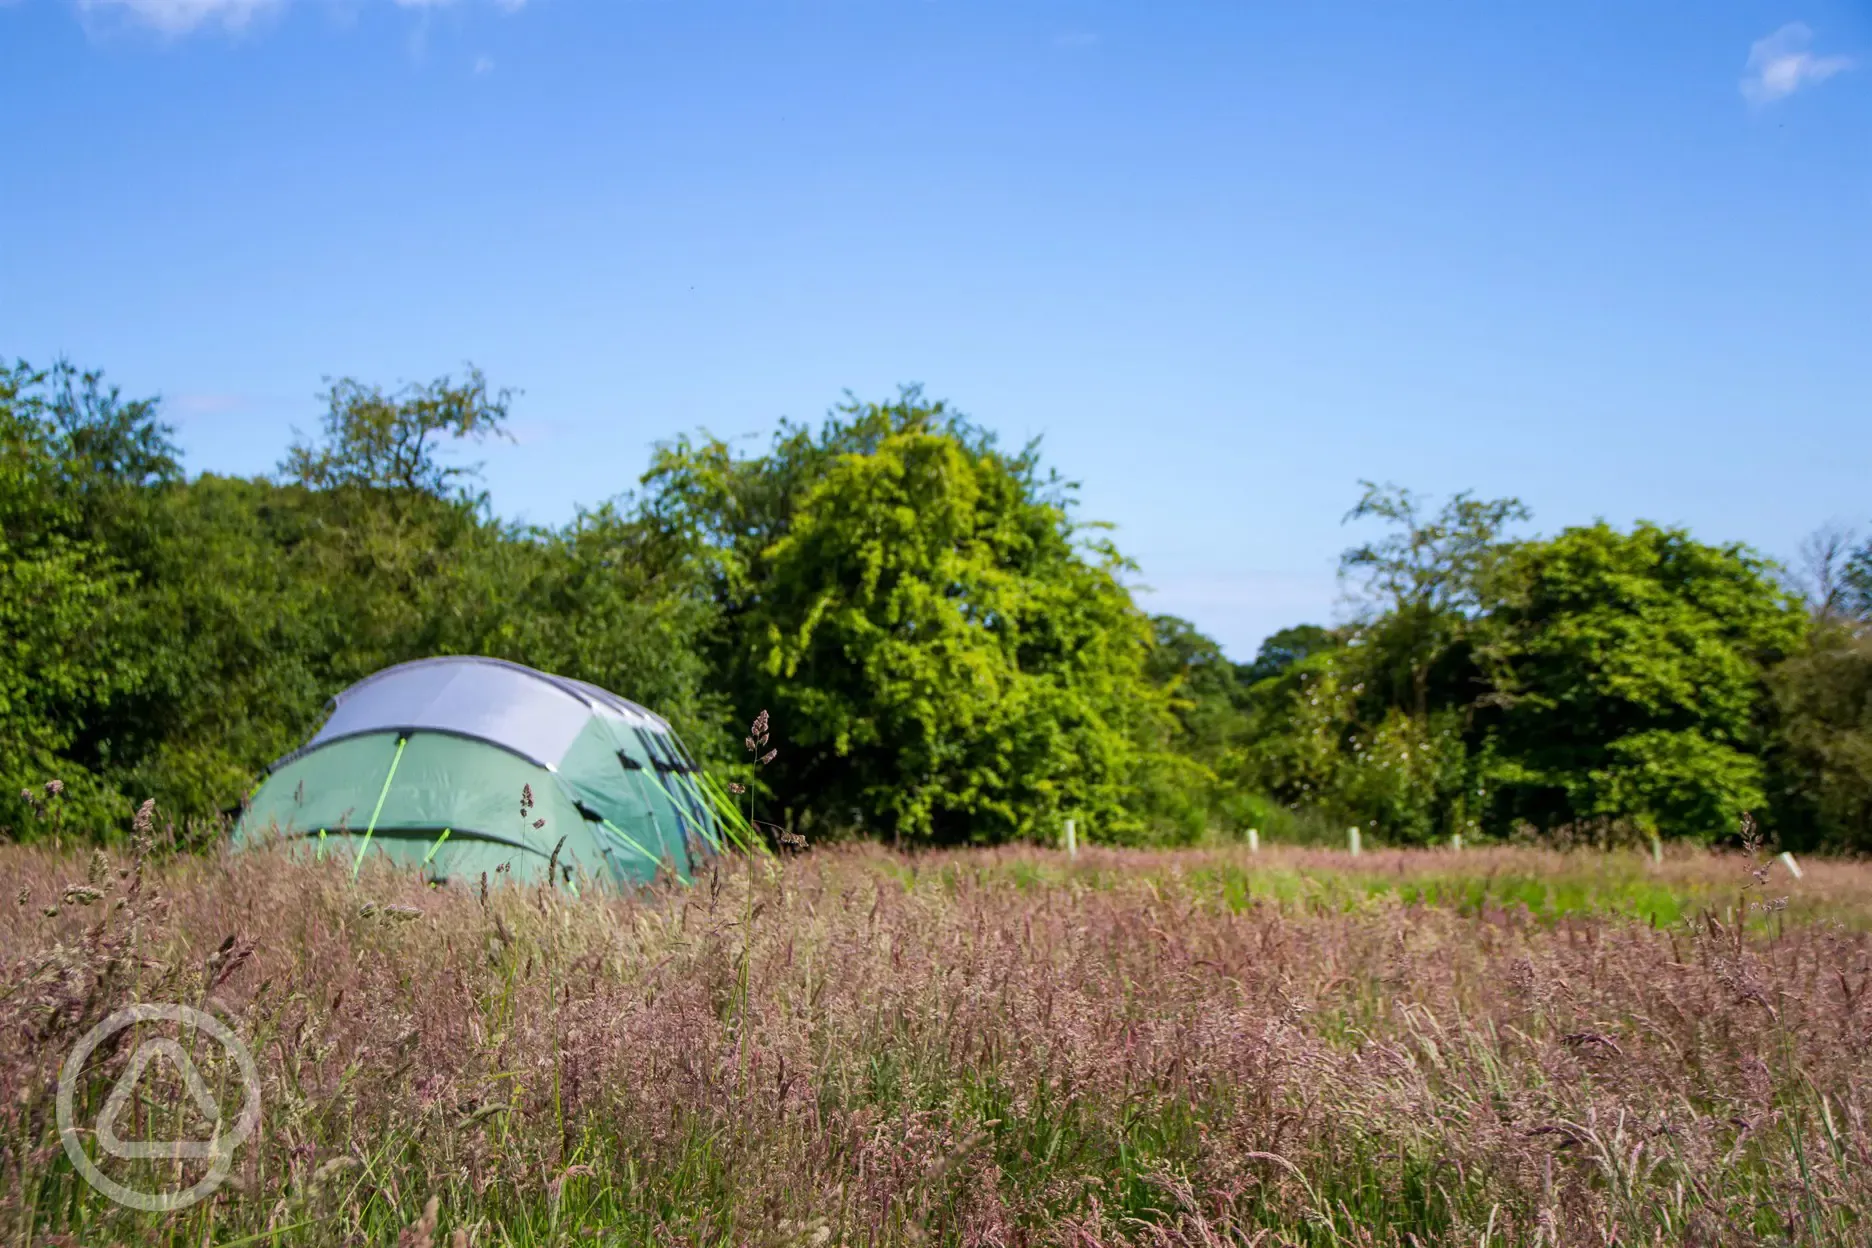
point(660, 751)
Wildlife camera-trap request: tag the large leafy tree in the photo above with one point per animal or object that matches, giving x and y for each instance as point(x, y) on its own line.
point(76, 462)
point(1628, 673)
point(255, 600)
point(1281, 650)
point(1317, 741)
point(401, 440)
point(1367, 724)
point(1205, 687)
point(1422, 584)
point(945, 656)
point(609, 598)
point(1821, 760)
point(1823, 765)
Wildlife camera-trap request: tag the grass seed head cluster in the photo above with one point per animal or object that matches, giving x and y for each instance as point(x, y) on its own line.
point(987, 1047)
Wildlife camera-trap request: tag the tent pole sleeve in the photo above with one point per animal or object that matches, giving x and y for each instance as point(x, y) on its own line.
point(436, 846)
point(382, 794)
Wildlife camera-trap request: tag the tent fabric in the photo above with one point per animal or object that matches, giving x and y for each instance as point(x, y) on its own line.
point(451, 745)
point(531, 713)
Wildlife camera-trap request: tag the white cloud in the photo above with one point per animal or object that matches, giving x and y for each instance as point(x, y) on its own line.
point(177, 17)
point(1782, 64)
point(484, 65)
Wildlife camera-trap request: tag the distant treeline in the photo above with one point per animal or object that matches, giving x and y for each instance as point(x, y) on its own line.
point(947, 653)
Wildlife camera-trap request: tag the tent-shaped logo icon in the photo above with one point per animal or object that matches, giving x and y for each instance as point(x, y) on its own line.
point(120, 1097)
point(223, 1138)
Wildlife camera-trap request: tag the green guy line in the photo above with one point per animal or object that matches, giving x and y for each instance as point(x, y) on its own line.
point(436, 846)
point(689, 806)
point(401, 742)
point(702, 809)
point(631, 841)
point(734, 823)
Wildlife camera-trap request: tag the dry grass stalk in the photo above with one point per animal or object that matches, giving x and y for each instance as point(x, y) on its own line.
point(991, 1047)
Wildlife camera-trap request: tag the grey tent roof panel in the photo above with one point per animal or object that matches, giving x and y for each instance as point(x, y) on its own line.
point(528, 712)
point(622, 708)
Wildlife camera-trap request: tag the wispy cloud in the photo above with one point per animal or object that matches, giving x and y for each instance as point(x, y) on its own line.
point(484, 65)
point(1783, 63)
point(177, 17)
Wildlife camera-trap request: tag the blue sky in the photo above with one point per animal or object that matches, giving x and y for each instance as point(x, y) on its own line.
point(1226, 258)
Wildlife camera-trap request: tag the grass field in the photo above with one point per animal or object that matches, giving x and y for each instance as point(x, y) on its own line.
point(1501, 1047)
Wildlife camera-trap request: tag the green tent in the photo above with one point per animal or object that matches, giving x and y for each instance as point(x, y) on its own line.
point(468, 765)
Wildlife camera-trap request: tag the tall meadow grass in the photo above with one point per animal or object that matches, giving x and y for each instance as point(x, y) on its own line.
point(993, 1047)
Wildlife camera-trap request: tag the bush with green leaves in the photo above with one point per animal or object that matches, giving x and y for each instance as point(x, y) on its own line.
point(949, 655)
point(1627, 680)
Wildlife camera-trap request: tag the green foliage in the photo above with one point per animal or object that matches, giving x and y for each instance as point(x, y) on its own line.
point(376, 440)
point(168, 639)
point(946, 658)
point(1626, 674)
point(1298, 731)
point(1437, 564)
point(1596, 682)
point(1317, 743)
point(1856, 583)
point(1370, 726)
point(948, 654)
point(68, 451)
point(1281, 650)
point(1824, 770)
point(610, 599)
point(1206, 689)
point(1423, 585)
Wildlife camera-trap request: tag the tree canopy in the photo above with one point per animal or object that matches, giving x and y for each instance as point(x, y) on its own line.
point(1628, 673)
point(952, 660)
point(948, 652)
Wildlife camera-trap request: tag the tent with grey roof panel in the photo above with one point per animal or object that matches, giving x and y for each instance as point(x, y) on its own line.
point(466, 765)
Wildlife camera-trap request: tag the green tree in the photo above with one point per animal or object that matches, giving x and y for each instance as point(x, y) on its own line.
point(1824, 696)
point(1422, 585)
point(1204, 686)
point(611, 599)
point(1628, 680)
point(71, 453)
point(946, 658)
point(1855, 584)
point(1300, 722)
point(1368, 724)
point(168, 638)
point(1281, 650)
point(399, 440)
